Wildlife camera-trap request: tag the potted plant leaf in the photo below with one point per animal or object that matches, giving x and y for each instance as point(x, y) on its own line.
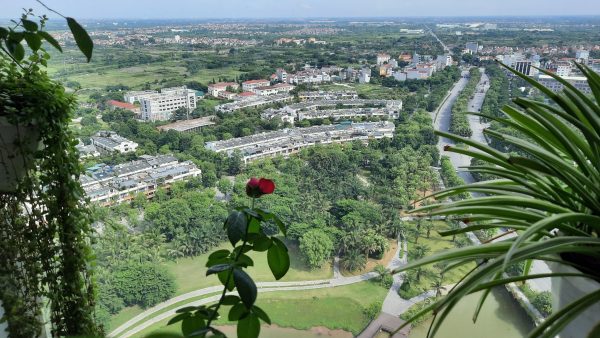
point(545, 206)
point(19, 136)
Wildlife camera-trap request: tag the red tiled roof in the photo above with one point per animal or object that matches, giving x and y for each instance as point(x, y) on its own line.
point(255, 81)
point(247, 94)
point(120, 104)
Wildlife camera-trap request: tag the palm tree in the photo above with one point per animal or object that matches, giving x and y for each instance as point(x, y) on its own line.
point(354, 260)
point(429, 226)
point(419, 251)
point(415, 232)
point(437, 286)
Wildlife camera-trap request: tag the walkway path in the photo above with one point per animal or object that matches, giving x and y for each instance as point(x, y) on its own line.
point(141, 321)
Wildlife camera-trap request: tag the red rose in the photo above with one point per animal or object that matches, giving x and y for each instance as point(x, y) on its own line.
point(266, 186)
point(252, 187)
point(258, 187)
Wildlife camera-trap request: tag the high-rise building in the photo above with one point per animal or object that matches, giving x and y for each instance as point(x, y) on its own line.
point(160, 106)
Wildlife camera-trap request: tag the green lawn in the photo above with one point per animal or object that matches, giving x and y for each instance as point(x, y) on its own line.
point(190, 275)
point(438, 243)
point(335, 308)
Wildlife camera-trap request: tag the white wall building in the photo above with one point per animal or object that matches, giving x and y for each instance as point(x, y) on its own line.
point(216, 88)
point(159, 107)
point(364, 75)
point(579, 82)
point(133, 96)
point(382, 58)
point(109, 142)
point(250, 85)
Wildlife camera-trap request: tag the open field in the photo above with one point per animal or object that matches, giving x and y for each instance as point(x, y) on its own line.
point(334, 308)
point(190, 275)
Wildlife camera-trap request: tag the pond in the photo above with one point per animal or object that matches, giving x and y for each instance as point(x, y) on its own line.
point(501, 317)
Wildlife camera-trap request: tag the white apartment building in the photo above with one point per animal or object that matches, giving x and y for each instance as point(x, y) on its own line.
point(364, 75)
point(582, 54)
point(160, 106)
point(527, 67)
point(563, 69)
point(250, 85)
point(579, 82)
point(109, 142)
point(132, 97)
point(273, 90)
point(281, 75)
point(216, 88)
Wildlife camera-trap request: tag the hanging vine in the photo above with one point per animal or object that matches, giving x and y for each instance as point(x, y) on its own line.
point(45, 255)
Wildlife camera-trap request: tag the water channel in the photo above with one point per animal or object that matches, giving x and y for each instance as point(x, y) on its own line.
point(501, 317)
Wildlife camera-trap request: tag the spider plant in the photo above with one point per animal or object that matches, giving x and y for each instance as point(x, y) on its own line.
point(548, 194)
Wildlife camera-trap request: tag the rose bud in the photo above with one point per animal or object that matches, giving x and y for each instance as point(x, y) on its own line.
point(252, 188)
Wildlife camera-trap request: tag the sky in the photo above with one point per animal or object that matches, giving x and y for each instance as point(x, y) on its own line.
point(202, 9)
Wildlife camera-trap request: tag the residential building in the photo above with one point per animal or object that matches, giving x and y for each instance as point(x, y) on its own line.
point(254, 101)
point(582, 55)
point(289, 141)
point(308, 76)
point(216, 88)
point(324, 95)
point(160, 106)
point(443, 61)
point(399, 76)
point(227, 95)
point(364, 75)
point(526, 67)
point(472, 47)
point(249, 86)
point(109, 142)
point(188, 126)
point(382, 58)
point(281, 75)
point(563, 69)
point(108, 185)
point(86, 151)
point(114, 104)
point(579, 82)
point(329, 107)
point(134, 96)
point(272, 90)
point(386, 70)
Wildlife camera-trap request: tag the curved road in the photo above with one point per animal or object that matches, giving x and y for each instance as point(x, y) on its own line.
point(138, 323)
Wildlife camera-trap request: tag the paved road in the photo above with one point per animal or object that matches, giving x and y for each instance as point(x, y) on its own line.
point(140, 322)
point(458, 160)
point(446, 49)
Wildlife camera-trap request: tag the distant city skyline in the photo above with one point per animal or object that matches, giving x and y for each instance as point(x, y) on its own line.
point(237, 9)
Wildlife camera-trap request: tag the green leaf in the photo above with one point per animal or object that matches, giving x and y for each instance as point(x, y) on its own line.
point(245, 286)
point(231, 300)
point(245, 261)
point(248, 327)
point(261, 314)
point(236, 312)
point(224, 278)
point(278, 259)
point(50, 40)
point(218, 268)
point(33, 41)
point(186, 309)
point(179, 318)
point(82, 39)
point(192, 324)
point(3, 33)
point(254, 226)
point(219, 254)
point(236, 224)
point(15, 49)
point(29, 25)
point(262, 243)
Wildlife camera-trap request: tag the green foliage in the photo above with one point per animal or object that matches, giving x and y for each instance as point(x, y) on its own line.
point(57, 239)
point(459, 122)
point(143, 284)
point(543, 302)
point(372, 310)
point(450, 176)
point(244, 226)
point(549, 196)
point(316, 246)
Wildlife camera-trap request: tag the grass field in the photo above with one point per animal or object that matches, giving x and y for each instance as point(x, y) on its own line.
point(438, 243)
point(334, 308)
point(190, 275)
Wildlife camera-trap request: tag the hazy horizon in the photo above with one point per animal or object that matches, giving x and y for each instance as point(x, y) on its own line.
point(302, 9)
